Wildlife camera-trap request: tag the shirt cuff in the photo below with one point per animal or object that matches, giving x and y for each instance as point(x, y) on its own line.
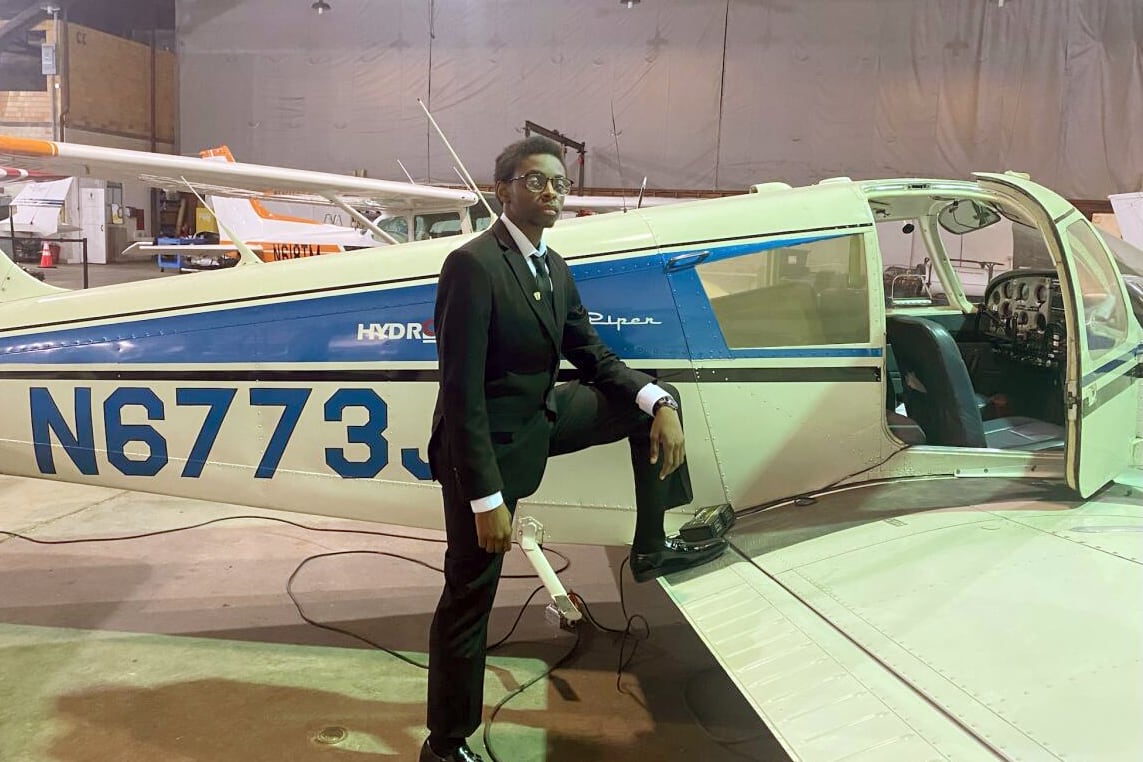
point(648, 396)
point(486, 504)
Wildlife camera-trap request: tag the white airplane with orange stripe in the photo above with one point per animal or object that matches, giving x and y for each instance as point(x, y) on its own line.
point(272, 235)
point(235, 191)
point(937, 553)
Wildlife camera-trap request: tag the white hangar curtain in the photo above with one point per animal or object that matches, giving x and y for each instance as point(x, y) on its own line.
point(704, 93)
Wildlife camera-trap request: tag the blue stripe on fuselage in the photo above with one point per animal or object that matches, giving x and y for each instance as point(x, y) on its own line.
point(1133, 358)
point(631, 302)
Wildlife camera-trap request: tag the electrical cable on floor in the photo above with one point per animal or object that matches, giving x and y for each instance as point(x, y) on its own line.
point(487, 735)
point(362, 638)
point(811, 495)
point(173, 530)
point(293, 575)
point(627, 633)
point(567, 657)
point(519, 616)
point(334, 530)
point(334, 628)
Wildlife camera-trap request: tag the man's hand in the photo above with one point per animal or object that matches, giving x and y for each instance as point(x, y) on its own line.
point(494, 529)
point(667, 440)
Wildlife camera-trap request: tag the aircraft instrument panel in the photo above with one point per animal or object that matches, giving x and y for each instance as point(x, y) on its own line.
point(1025, 314)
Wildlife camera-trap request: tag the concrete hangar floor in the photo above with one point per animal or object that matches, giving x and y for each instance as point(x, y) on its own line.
point(186, 646)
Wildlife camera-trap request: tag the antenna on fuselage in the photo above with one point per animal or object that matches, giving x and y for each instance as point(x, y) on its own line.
point(466, 176)
point(642, 190)
point(618, 159)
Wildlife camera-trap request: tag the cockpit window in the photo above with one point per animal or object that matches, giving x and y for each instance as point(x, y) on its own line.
point(972, 236)
point(907, 271)
point(1105, 312)
point(978, 256)
point(398, 227)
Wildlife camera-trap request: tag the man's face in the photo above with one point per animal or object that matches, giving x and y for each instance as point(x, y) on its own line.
point(532, 210)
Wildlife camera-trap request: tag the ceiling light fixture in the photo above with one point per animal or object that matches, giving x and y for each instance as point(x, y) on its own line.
point(629, 3)
point(321, 6)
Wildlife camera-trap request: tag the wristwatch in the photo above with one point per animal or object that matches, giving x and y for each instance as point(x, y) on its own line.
point(664, 401)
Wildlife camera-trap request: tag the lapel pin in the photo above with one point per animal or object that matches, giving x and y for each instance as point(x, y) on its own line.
point(536, 295)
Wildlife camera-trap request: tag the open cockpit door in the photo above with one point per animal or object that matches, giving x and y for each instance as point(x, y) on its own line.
point(1102, 336)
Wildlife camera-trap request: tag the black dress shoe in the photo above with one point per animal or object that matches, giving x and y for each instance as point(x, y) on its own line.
point(461, 754)
point(674, 556)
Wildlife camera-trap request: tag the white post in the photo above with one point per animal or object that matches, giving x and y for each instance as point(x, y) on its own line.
point(531, 532)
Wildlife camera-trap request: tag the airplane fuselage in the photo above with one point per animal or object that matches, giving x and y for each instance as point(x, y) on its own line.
point(309, 385)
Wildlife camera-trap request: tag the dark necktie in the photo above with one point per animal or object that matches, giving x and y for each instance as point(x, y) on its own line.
point(543, 281)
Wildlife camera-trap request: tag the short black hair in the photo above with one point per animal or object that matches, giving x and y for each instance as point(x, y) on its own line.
point(511, 156)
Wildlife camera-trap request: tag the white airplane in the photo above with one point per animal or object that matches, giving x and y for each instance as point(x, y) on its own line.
point(37, 209)
point(961, 581)
point(235, 190)
point(270, 235)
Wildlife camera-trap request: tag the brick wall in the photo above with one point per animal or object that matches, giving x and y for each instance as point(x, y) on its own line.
point(27, 114)
point(25, 108)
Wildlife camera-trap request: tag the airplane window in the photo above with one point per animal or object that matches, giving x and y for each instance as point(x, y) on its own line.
point(907, 274)
point(444, 228)
point(437, 225)
point(398, 227)
point(813, 293)
point(977, 256)
point(478, 216)
point(1105, 312)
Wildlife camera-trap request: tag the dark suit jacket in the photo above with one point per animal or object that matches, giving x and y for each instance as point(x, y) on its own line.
point(499, 351)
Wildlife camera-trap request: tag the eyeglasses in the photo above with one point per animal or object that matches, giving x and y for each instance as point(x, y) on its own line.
point(537, 181)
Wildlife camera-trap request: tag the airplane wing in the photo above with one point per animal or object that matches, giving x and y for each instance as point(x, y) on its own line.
point(973, 625)
point(227, 179)
point(140, 250)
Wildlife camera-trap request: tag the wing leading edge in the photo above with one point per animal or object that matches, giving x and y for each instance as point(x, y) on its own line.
point(227, 179)
point(975, 627)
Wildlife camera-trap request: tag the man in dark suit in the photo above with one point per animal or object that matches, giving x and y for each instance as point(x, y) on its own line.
point(507, 310)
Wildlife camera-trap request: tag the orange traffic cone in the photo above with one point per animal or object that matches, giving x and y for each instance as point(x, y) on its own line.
point(46, 256)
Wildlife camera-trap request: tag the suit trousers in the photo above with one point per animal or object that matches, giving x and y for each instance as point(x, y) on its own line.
point(459, 634)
